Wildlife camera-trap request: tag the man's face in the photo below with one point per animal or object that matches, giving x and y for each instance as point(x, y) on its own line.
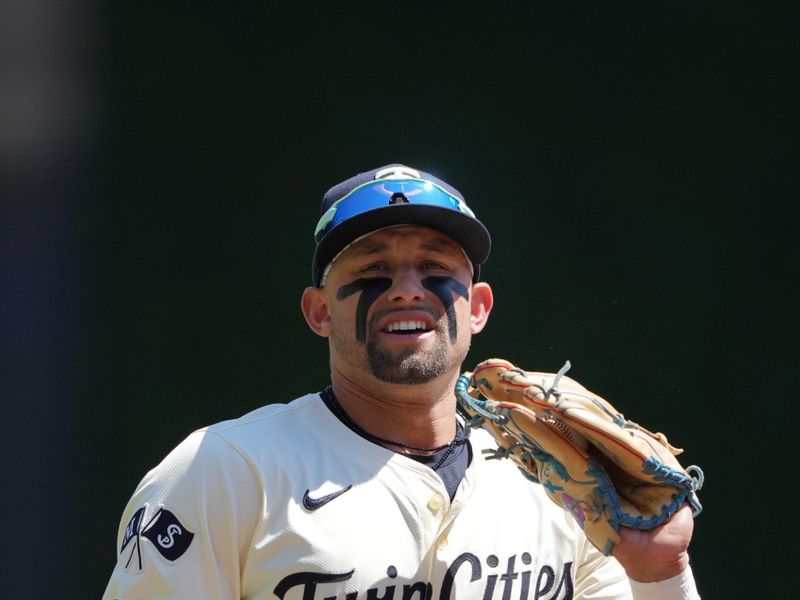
point(399, 305)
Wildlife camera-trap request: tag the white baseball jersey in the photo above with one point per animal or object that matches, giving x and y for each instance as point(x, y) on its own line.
point(287, 502)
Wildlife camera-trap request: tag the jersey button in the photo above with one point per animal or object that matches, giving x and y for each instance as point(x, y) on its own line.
point(435, 503)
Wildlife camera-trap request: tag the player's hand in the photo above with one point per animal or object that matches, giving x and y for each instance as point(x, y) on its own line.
point(658, 554)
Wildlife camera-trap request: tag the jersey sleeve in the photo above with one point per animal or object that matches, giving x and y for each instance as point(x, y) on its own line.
point(186, 530)
point(680, 587)
point(599, 577)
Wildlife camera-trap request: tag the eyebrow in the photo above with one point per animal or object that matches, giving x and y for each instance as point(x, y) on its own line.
point(368, 247)
point(439, 245)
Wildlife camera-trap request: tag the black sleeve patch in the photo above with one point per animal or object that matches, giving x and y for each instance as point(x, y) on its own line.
point(168, 535)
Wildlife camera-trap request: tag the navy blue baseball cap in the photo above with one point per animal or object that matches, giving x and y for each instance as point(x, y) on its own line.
point(394, 195)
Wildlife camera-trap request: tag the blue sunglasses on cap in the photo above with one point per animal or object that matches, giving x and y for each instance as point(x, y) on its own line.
point(387, 192)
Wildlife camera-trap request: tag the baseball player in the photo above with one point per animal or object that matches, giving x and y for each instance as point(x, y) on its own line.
point(371, 488)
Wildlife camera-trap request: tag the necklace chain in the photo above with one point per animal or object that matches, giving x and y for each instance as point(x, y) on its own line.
point(339, 411)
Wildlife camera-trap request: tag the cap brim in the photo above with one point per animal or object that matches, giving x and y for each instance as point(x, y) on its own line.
point(468, 232)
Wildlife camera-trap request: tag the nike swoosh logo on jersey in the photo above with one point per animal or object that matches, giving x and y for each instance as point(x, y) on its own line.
point(315, 503)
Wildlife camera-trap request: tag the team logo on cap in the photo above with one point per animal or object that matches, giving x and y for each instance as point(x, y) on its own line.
point(398, 172)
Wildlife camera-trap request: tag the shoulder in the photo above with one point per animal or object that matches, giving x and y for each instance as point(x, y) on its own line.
point(269, 429)
point(271, 417)
point(229, 449)
point(274, 428)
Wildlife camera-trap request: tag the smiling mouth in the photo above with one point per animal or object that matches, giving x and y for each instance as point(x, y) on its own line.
point(406, 327)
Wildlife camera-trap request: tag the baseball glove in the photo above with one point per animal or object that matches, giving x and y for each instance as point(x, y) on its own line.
point(603, 469)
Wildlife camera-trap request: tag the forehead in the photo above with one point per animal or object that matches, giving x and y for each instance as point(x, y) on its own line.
point(404, 237)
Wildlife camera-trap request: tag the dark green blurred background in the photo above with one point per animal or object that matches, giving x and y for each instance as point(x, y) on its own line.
point(635, 163)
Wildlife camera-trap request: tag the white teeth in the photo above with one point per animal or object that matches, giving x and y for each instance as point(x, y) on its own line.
point(405, 326)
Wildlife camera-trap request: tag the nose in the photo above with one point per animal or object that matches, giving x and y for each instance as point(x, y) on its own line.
point(406, 285)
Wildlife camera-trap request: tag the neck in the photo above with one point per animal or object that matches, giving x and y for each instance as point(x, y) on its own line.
point(414, 415)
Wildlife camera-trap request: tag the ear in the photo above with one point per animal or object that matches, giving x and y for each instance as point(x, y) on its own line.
point(315, 310)
point(481, 302)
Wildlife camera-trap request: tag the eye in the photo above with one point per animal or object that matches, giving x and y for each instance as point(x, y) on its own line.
point(376, 267)
point(432, 265)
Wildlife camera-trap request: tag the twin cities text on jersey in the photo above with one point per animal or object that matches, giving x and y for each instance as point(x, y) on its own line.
point(491, 579)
